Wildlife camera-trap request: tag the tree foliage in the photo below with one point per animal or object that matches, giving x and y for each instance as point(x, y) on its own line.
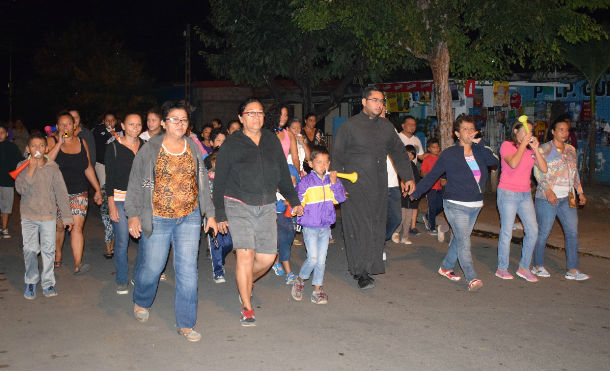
point(592, 60)
point(477, 39)
point(257, 42)
point(86, 68)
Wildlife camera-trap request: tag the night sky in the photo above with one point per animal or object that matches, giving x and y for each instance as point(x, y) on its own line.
point(152, 31)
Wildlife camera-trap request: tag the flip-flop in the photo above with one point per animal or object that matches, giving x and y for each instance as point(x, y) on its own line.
point(58, 264)
point(82, 269)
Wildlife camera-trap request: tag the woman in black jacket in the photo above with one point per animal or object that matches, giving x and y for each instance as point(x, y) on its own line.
point(250, 167)
point(465, 166)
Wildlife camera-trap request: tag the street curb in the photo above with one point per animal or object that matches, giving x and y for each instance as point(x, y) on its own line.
point(518, 240)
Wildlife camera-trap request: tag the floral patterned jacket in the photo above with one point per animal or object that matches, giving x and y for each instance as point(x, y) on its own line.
point(562, 169)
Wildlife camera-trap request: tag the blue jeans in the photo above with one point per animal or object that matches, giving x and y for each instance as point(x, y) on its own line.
point(219, 253)
point(462, 219)
point(569, 222)
point(121, 241)
point(31, 231)
point(285, 236)
point(316, 242)
point(183, 234)
point(511, 204)
point(394, 212)
point(435, 206)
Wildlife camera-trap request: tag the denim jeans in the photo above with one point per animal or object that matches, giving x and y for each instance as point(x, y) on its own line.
point(285, 236)
point(32, 230)
point(183, 234)
point(121, 241)
point(435, 206)
point(569, 222)
point(462, 219)
point(511, 204)
point(394, 212)
point(316, 242)
point(219, 253)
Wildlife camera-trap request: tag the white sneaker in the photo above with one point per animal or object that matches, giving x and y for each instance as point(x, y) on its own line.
point(576, 276)
point(540, 272)
point(395, 238)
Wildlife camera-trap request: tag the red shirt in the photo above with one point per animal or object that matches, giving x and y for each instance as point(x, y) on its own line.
point(427, 165)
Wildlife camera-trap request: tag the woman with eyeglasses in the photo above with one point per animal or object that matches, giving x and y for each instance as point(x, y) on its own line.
point(250, 168)
point(167, 195)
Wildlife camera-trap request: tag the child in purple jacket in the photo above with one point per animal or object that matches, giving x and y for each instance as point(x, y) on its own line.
point(318, 192)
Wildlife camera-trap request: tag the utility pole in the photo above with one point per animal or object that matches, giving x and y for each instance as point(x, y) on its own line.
point(187, 65)
point(10, 80)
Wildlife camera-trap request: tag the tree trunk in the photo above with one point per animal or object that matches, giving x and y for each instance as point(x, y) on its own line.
point(439, 63)
point(592, 139)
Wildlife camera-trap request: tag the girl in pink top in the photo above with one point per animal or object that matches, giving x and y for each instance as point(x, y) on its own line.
point(514, 197)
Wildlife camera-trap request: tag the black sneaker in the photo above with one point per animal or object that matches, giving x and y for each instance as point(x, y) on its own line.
point(247, 318)
point(365, 283)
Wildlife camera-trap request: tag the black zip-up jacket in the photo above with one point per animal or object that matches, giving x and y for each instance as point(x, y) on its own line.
point(251, 173)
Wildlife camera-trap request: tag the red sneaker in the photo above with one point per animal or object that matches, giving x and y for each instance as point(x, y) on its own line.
point(449, 274)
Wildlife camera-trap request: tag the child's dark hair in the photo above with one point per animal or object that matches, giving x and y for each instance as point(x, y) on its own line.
point(411, 149)
point(216, 132)
point(207, 161)
point(318, 150)
point(37, 136)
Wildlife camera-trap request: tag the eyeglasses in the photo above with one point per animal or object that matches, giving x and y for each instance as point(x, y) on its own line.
point(177, 120)
point(376, 100)
point(252, 114)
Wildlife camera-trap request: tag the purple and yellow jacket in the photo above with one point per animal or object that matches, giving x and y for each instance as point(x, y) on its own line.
point(318, 198)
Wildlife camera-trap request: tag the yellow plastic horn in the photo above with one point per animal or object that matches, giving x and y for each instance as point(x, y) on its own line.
point(523, 119)
point(352, 177)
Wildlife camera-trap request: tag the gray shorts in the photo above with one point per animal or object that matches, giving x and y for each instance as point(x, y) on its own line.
point(7, 196)
point(252, 227)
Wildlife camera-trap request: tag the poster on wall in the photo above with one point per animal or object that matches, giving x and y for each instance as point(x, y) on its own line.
point(398, 102)
point(501, 94)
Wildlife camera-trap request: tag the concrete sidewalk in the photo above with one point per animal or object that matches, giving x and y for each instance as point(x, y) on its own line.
point(593, 223)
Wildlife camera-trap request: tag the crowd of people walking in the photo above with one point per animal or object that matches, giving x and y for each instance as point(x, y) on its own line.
point(250, 185)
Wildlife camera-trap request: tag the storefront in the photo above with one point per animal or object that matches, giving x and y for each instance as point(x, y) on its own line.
point(496, 105)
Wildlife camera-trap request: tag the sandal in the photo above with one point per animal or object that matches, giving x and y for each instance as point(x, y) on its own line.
point(140, 313)
point(58, 264)
point(190, 334)
point(81, 269)
point(475, 284)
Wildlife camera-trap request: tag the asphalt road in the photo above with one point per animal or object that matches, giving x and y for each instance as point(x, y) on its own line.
point(413, 320)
